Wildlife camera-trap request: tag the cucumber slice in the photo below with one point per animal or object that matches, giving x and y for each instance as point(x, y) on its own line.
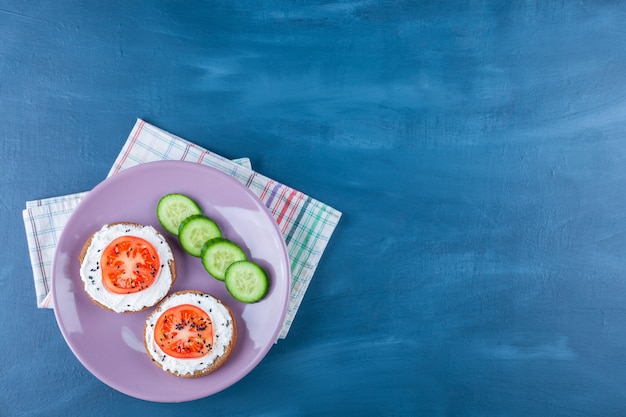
point(246, 281)
point(195, 231)
point(173, 209)
point(217, 255)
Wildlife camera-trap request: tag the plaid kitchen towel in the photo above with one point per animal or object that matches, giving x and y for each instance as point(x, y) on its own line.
point(306, 223)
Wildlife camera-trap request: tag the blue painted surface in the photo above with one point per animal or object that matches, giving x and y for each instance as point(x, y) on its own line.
point(476, 148)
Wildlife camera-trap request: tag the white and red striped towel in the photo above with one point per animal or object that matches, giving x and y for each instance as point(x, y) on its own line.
point(306, 223)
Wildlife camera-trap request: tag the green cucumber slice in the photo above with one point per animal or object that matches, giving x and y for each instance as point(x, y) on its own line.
point(173, 209)
point(217, 255)
point(195, 231)
point(246, 281)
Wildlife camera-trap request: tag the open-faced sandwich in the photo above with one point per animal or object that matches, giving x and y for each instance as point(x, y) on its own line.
point(190, 334)
point(127, 267)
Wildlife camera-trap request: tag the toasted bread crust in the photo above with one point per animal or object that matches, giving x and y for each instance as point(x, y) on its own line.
point(219, 361)
point(171, 264)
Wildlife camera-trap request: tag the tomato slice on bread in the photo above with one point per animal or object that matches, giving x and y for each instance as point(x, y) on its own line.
point(184, 331)
point(129, 264)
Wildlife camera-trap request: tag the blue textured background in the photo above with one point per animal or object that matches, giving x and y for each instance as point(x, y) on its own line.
point(476, 148)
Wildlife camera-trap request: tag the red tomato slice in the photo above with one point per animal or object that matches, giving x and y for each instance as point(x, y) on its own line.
point(129, 264)
point(184, 331)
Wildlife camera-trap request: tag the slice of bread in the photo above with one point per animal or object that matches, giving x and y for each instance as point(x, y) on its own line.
point(211, 362)
point(171, 265)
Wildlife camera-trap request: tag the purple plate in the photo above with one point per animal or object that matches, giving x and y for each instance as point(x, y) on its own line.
point(110, 345)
